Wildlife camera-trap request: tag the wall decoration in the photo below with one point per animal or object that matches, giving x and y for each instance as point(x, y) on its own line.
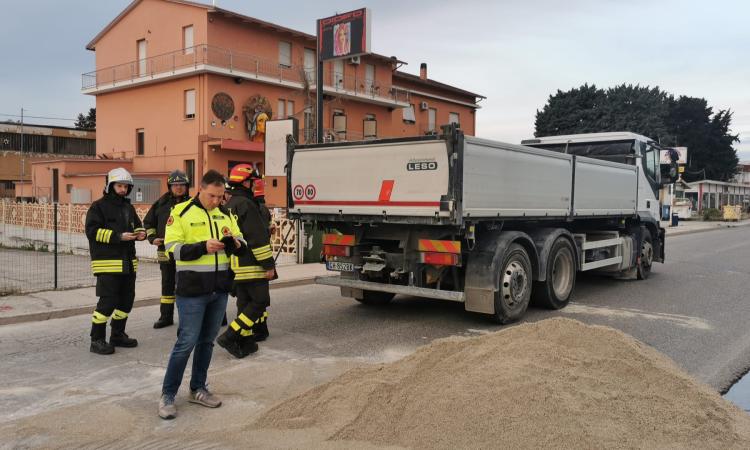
point(257, 111)
point(223, 106)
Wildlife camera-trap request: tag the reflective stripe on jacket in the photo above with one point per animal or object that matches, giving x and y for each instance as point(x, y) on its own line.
point(188, 228)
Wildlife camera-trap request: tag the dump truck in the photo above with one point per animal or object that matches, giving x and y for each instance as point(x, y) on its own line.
point(490, 224)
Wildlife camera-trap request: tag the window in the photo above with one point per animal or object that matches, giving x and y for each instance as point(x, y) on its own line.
point(141, 49)
point(339, 124)
point(338, 74)
point(68, 188)
point(370, 127)
point(453, 118)
point(140, 141)
point(187, 39)
point(285, 54)
point(190, 171)
point(369, 79)
point(190, 104)
point(431, 117)
point(280, 109)
point(309, 125)
point(311, 64)
point(408, 114)
point(289, 108)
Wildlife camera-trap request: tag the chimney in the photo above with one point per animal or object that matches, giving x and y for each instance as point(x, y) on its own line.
point(423, 71)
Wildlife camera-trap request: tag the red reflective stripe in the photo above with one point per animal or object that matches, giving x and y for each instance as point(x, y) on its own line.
point(364, 203)
point(386, 189)
point(430, 245)
point(439, 259)
point(338, 239)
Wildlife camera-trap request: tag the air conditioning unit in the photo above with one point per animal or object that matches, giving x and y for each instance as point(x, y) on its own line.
point(354, 60)
point(423, 106)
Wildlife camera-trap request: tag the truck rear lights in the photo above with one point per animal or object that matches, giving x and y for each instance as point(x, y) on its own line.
point(338, 239)
point(336, 250)
point(439, 259)
point(431, 245)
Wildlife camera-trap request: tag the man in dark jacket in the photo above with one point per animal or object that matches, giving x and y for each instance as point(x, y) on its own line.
point(112, 227)
point(155, 223)
point(252, 271)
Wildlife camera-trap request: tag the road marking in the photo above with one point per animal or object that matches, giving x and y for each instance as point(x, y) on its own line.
point(628, 313)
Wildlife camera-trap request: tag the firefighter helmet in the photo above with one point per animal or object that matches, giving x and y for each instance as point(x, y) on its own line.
point(177, 177)
point(118, 175)
point(259, 188)
point(242, 172)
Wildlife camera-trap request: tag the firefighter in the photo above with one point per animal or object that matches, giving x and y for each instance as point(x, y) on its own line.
point(252, 271)
point(155, 223)
point(112, 227)
point(200, 235)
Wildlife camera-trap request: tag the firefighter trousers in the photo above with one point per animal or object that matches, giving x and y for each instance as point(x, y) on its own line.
point(253, 299)
point(166, 307)
point(116, 295)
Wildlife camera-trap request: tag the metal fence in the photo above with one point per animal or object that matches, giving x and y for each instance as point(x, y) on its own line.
point(44, 247)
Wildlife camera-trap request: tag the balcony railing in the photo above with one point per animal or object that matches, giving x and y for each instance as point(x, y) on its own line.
point(206, 57)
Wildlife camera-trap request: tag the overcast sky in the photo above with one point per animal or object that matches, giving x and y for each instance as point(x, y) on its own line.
point(516, 53)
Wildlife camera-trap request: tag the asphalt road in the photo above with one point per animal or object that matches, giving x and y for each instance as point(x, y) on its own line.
point(694, 309)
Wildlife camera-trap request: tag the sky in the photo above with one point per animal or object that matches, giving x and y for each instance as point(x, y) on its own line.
point(516, 53)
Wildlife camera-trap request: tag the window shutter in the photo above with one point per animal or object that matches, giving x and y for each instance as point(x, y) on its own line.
point(190, 104)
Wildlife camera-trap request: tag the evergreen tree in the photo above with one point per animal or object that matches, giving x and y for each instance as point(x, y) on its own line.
point(87, 122)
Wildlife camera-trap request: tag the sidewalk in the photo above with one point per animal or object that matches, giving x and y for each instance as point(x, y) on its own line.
point(57, 304)
point(699, 226)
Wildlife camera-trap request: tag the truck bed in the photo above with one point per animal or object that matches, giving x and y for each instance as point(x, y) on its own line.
point(452, 180)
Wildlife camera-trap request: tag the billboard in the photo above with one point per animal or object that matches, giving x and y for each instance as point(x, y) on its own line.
point(664, 157)
point(344, 35)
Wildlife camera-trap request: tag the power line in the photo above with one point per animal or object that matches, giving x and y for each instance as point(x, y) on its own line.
point(38, 117)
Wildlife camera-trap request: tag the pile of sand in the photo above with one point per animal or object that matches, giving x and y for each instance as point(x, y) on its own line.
point(555, 383)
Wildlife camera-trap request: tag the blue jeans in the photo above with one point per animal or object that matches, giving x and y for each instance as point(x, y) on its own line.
point(200, 321)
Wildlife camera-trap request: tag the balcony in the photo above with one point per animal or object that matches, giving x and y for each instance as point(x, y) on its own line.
point(221, 61)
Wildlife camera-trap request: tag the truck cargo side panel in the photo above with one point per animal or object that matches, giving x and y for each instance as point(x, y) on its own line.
point(505, 180)
point(604, 188)
point(395, 179)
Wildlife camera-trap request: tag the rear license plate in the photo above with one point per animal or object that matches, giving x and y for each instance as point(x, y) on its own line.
point(340, 266)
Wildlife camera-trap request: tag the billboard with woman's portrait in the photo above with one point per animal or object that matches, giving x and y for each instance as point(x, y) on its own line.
point(344, 35)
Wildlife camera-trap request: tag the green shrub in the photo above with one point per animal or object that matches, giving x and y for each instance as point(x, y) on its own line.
point(712, 214)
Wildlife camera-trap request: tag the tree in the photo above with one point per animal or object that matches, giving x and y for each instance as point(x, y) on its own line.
point(685, 122)
point(87, 122)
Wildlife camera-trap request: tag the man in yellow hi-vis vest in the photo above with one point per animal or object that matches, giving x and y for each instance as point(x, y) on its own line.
point(200, 236)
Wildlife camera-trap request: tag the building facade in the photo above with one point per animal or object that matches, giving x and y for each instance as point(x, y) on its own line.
point(22, 145)
point(180, 84)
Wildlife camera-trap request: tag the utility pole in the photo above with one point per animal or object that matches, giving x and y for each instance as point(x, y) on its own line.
point(23, 155)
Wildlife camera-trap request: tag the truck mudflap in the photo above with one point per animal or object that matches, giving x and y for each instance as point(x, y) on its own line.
point(439, 294)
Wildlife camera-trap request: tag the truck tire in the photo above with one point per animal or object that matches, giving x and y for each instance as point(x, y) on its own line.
point(555, 292)
point(647, 255)
point(375, 298)
point(514, 290)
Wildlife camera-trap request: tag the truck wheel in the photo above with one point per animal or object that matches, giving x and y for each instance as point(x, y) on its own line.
point(647, 255)
point(514, 291)
point(561, 276)
point(375, 298)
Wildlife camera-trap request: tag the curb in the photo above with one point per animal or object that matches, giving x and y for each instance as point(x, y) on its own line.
point(151, 301)
point(703, 230)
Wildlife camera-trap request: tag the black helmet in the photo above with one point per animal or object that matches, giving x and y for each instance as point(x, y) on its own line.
point(177, 177)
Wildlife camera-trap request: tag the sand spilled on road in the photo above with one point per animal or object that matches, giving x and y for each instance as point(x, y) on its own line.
point(555, 383)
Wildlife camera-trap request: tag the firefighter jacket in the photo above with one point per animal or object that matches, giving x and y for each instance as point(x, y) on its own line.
point(155, 221)
point(254, 264)
point(188, 228)
point(106, 220)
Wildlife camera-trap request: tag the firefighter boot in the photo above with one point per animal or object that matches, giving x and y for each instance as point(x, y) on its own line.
point(260, 331)
point(121, 339)
point(229, 340)
point(99, 344)
point(101, 347)
point(248, 345)
point(166, 316)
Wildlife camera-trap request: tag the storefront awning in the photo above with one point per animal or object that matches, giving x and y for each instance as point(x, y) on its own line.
point(248, 146)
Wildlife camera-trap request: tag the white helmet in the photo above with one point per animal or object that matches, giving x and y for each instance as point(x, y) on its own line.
point(118, 175)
